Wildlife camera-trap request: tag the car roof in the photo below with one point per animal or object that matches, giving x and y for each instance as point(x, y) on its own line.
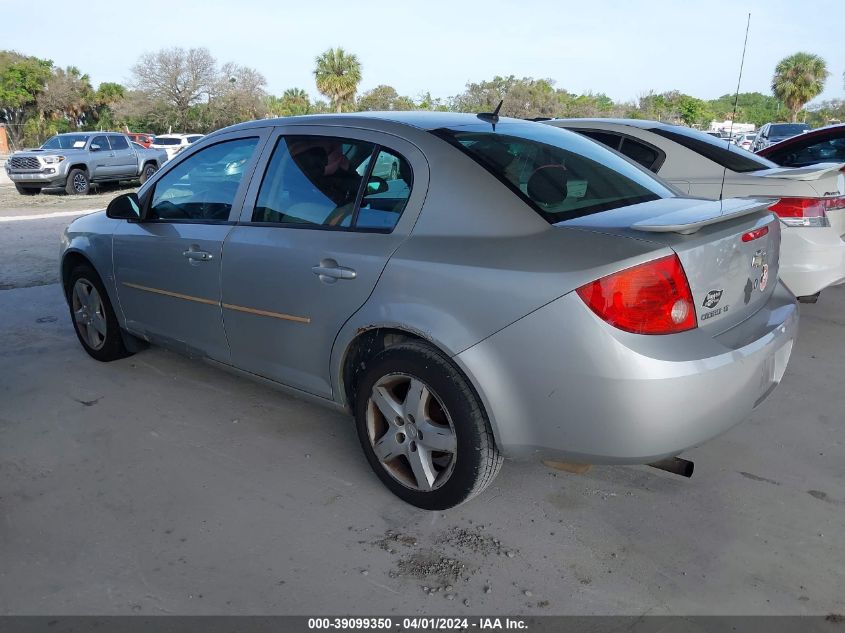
point(643, 124)
point(420, 119)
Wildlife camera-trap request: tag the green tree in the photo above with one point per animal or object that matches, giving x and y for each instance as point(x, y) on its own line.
point(798, 79)
point(337, 75)
point(22, 79)
point(293, 102)
point(384, 98)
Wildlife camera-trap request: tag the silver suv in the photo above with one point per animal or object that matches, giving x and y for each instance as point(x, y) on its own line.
point(75, 161)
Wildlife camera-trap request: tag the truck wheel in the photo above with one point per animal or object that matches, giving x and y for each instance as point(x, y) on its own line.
point(147, 172)
point(77, 183)
point(28, 191)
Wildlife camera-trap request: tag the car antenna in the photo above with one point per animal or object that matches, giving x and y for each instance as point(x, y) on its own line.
point(733, 116)
point(491, 117)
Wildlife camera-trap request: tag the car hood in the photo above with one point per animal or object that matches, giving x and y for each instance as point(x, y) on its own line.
point(48, 152)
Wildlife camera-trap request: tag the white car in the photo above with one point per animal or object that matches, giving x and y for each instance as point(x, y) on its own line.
point(745, 141)
point(174, 143)
point(810, 205)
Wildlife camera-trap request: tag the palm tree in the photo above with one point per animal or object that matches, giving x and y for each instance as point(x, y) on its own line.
point(798, 79)
point(338, 74)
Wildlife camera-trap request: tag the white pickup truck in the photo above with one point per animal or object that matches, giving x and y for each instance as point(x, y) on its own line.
point(76, 160)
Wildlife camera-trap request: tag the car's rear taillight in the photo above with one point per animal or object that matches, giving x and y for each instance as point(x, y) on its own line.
point(806, 211)
point(652, 298)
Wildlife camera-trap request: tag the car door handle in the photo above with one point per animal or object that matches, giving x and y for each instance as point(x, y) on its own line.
point(329, 271)
point(199, 256)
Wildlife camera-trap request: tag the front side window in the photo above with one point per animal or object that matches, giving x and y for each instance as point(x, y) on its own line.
point(561, 175)
point(203, 186)
point(313, 181)
point(721, 152)
point(118, 142)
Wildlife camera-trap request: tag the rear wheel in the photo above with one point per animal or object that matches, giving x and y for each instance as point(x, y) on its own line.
point(28, 191)
point(93, 316)
point(423, 428)
point(77, 182)
point(147, 172)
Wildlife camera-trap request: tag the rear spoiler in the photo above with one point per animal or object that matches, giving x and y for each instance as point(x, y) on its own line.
point(690, 220)
point(810, 172)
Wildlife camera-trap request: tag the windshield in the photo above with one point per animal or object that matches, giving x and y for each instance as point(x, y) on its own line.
point(159, 140)
point(788, 129)
point(559, 174)
point(66, 141)
point(722, 153)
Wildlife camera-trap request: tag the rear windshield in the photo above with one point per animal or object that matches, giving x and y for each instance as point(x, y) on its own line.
point(158, 140)
point(788, 129)
point(559, 174)
point(66, 141)
point(721, 152)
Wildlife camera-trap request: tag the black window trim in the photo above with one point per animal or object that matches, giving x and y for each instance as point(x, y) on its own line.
point(655, 166)
point(352, 228)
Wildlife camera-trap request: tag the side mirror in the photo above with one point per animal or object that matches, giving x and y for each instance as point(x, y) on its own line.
point(376, 184)
point(95, 147)
point(125, 207)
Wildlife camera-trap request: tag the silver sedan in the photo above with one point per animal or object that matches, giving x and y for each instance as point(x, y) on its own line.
point(510, 289)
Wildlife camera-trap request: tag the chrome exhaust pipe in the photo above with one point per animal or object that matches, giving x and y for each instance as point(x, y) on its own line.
point(675, 465)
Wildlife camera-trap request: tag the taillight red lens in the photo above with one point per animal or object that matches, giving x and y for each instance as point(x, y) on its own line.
point(652, 298)
point(756, 234)
point(806, 211)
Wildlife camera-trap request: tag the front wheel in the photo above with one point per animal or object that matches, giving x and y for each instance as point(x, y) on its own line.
point(423, 428)
point(147, 172)
point(77, 183)
point(93, 316)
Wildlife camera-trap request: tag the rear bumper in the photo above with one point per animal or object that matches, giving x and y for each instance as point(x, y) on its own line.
point(561, 383)
point(812, 258)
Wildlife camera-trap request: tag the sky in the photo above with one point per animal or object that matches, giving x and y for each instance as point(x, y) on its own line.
point(623, 49)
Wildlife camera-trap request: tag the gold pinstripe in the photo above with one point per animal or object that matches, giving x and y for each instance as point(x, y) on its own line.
point(228, 306)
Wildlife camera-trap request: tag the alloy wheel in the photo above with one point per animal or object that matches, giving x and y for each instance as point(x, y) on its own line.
point(89, 314)
point(411, 432)
point(80, 183)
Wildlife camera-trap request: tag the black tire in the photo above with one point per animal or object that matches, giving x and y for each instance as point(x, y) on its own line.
point(27, 191)
point(112, 347)
point(78, 183)
point(147, 172)
point(476, 459)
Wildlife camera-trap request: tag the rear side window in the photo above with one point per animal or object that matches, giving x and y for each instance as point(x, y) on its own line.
point(609, 139)
point(203, 187)
point(169, 140)
point(118, 142)
point(329, 182)
point(647, 156)
point(557, 173)
point(721, 152)
point(831, 150)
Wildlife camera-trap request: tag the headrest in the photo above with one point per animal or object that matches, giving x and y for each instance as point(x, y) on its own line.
point(547, 184)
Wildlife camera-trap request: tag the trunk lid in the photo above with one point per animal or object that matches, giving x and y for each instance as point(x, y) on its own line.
point(730, 278)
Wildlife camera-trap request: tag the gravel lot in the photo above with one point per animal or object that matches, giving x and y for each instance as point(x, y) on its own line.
point(158, 484)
